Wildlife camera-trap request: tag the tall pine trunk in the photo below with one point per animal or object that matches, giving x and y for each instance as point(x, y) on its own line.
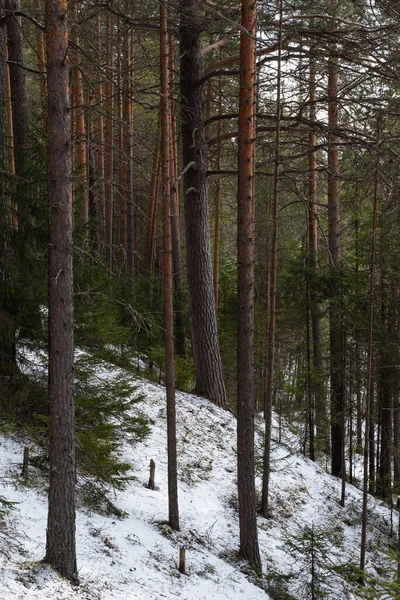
point(208, 363)
point(60, 548)
point(167, 275)
point(335, 312)
point(245, 288)
point(270, 365)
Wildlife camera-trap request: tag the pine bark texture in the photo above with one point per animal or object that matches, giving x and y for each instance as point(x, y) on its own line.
point(167, 276)
point(245, 290)
point(208, 363)
point(60, 549)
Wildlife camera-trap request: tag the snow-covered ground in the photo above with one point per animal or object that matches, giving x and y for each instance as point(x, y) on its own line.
point(136, 557)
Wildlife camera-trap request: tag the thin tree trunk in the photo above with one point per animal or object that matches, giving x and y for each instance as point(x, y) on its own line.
point(245, 288)
point(109, 146)
point(272, 288)
point(384, 487)
point(336, 324)
point(321, 416)
point(41, 66)
point(167, 275)
point(175, 220)
point(152, 209)
point(217, 226)
point(81, 193)
point(208, 363)
point(122, 197)
point(101, 192)
point(127, 115)
point(60, 548)
point(368, 394)
point(18, 88)
point(7, 326)
point(92, 173)
point(396, 394)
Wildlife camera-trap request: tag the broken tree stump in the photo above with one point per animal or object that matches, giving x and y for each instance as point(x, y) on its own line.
point(182, 560)
point(151, 485)
point(25, 463)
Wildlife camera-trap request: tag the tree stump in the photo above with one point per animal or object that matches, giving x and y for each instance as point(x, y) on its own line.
point(151, 485)
point(25, 463)
point(182, 560)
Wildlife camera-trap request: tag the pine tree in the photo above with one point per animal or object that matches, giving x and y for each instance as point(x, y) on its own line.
point(60, 547)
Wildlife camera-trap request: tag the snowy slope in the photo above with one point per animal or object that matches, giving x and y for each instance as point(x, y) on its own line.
point(137, 557)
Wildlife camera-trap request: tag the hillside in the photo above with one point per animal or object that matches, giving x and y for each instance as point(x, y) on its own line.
point(136, 557)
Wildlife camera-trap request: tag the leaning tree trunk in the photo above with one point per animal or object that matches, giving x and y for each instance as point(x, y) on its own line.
point(60, 548)
point(245, 289)
point(209, 371)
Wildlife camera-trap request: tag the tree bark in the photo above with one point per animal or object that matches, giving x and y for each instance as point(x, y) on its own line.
point(317, 378)
point(369, 386)
point(167, 275)
point(109, 146)
point(149, 251)
point(101, 192)
point(132, 218)
point(335, 313)
point(81, 191)
point(245, 289)
point(208, 363)
point(175, 215)
point(60, 548)
point(18, 88)
point(270, 366)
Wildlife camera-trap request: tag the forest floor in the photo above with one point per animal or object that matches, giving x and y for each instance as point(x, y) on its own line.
point(136, 557)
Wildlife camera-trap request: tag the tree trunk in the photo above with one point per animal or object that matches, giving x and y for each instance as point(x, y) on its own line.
point(128, 155)
point(317, 379)
point(209, 371)
point(101, 192)
point(175, 215)
point(122, 192)
point(167, 275)
point(336, 325)
point(384, 483)
point(369, 387)
point(18, 88)
point(245, 289)
point(81, 186)
point(272, 289)
point(109, 147)
point(218, 191)
point(60, 549)
point(149, 251)
point(41, 66)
